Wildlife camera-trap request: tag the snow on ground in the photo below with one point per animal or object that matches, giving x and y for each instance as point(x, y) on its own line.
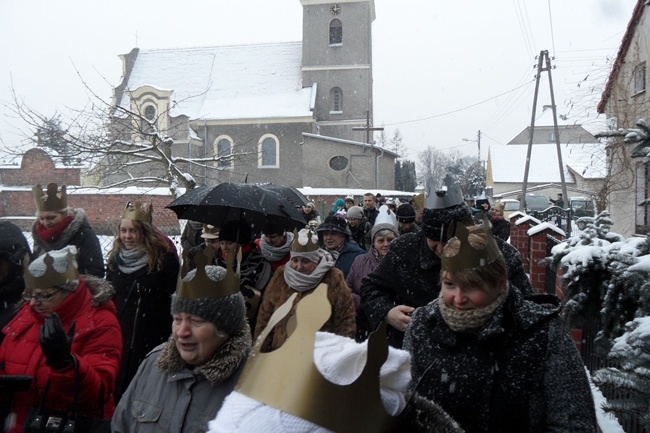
point(606, 421)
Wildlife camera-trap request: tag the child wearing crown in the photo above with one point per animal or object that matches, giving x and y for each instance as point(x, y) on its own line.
point(143, 270)
point(308, 267)
point(59, 225)
point(494, 360)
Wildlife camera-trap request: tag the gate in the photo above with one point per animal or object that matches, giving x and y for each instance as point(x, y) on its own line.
point(551, 276)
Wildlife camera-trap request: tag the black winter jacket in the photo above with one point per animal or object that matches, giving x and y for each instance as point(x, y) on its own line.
point(78, 233)
point(520, 373)
point(409, 274)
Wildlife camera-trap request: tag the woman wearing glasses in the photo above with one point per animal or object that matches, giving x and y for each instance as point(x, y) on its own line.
point(65, 331)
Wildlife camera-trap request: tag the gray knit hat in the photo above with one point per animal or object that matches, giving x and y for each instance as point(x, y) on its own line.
point(355, 212)
point(227, 313)
point(386, 220)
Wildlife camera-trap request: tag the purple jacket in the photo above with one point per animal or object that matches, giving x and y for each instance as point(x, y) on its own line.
point(362, 266)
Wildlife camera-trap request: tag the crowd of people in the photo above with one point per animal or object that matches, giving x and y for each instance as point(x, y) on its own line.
point(151, 340)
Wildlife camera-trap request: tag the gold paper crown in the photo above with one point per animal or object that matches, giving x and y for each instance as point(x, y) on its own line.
point(460, 254)
point(52, 278)
point(136, 210)
point(51, 200)
point(202, 286)
point(287, 378)
point(306, 243)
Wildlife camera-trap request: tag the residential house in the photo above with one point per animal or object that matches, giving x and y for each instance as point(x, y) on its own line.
point(583, 161)
point(275, 112)
point(624, 101)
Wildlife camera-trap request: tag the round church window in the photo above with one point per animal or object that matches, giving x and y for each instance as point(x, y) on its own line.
point(338, 163)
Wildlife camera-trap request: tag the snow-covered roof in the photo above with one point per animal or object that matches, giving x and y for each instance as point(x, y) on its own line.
point(509, 162)
point(226, 82)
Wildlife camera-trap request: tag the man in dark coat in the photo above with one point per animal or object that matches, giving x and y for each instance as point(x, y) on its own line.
point(409, 275)
point(369, 209)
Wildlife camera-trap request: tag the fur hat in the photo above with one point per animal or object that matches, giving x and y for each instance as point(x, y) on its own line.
point(436, 222)
point(405, 213)
point(236, 231)
point(355, 212)
point(227, 313)
point(55, 268)
point(386, 220)
point(334, 223)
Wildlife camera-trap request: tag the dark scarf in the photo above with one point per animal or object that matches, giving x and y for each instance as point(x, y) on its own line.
point(50, 235)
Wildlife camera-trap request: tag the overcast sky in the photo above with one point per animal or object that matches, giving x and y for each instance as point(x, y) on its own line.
point(432, 59)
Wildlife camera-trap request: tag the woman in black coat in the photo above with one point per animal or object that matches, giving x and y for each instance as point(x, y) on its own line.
point(143, 270)
point(496, 362)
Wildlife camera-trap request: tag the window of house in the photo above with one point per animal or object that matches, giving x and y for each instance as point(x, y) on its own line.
point(336, 32)
point(337, 100)
point(224, 151)
point(269, 151)
point(642, 192)
point(338, 163)
point(551, 137)
point(639, 78)
point(149, 114)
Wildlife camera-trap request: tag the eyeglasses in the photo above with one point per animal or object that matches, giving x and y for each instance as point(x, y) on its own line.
point(40, 297)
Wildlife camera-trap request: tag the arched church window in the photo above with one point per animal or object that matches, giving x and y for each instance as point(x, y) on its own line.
point(150, 112)
point(269, 151)
point(336, 32)
point(223, 152)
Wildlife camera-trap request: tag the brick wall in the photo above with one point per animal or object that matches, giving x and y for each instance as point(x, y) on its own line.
point(37, 167)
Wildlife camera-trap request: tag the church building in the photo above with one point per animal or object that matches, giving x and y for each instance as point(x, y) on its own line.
point(294, 113)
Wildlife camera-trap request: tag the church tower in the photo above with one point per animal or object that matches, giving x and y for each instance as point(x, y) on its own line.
point(337, 56)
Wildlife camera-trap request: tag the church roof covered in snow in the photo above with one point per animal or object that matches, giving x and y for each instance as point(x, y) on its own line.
point(226, 82)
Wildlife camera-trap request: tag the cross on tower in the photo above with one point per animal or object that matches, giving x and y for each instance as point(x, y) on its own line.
point(367, 128)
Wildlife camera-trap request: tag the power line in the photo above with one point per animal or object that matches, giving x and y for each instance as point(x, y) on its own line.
point(459, 109)
point(550, 20)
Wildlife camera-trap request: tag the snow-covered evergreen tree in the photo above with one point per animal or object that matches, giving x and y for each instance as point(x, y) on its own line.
point(627, 387)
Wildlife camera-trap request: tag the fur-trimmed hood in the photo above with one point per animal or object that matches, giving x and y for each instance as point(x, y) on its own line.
point(222, 365)
point(101, 290)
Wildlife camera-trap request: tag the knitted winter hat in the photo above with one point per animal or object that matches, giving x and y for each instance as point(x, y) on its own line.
point(405, 213)
point(236, 231)
point(227, 313)
point(386, 220)
point(339, 203)
point(53, 269)
point(334, 223)
point(349, 198)
point(355, 212)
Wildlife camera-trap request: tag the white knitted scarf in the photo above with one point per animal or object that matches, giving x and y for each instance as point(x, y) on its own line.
point(301, 282)
point(469, 320)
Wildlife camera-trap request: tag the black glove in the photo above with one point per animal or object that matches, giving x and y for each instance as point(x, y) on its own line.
point(55, 343)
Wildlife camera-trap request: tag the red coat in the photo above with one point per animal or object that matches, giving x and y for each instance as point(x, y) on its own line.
point(97, 345)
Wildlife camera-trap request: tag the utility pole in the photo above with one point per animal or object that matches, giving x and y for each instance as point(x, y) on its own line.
point(543, 59)
point(368, 130)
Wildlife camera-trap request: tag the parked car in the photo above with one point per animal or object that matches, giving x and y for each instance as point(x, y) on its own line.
point(510, 205)
point(582, 206)
point(536, 202)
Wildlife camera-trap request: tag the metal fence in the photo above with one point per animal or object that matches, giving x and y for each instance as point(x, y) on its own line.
point(593, 361)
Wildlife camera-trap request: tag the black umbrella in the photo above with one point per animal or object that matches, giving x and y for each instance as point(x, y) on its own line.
point(260, 207)
point(291, 193)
